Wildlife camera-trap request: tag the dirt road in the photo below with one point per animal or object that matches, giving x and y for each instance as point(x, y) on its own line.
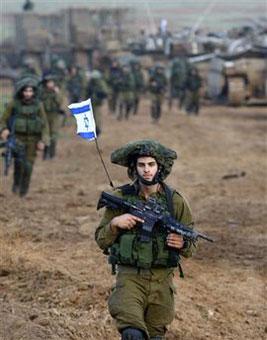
point(54, 281)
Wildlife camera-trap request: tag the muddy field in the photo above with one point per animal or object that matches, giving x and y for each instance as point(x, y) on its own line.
point(54, 281)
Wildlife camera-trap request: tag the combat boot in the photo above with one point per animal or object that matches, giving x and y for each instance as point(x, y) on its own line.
point(132, 334)
point(52, 149)
point(25, 180)
point(46, 153)
point(17, 175)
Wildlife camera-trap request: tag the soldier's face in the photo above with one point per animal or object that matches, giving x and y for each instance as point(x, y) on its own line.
point(147, 167)
point(28, 93)
point(50, 84)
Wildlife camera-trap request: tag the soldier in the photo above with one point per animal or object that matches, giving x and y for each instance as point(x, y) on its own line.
point(76, 85)
point(193, 86)
point(126, 92)
point(52, 100)
point(157, 87)
point(29, 69)
point(97, 90)
point(114, 80)
point(139, 84)
point(26, 120)
point(142, 302)
point(178, 80)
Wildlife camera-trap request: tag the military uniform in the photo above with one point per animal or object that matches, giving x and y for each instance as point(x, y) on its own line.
point(76, 85)
point(143, 296)
point(193, 86)
point(157, 88)
point(126, 93)
point(97, 91)
point(113, 81)
point(139, 84)
point(53, 106)
point(27, 121)
point(178, 80)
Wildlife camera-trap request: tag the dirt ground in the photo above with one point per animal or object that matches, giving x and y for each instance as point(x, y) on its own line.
point(54, 281)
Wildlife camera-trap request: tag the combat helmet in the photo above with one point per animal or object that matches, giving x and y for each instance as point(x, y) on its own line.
point(128, 154)
point(26, 81)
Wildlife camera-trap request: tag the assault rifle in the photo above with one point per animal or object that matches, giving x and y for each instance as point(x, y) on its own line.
point(8, 153)
point(152, 213)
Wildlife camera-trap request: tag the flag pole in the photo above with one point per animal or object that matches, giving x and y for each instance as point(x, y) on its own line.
point(103, 163)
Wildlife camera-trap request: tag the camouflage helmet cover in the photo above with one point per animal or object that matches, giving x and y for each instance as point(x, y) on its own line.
point(127, 155)
point(27, 81)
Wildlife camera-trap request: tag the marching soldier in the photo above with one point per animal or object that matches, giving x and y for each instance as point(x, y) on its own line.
point(142, 302)
point(193, 86)
point(97, 91)
point(157, 88)
point(139, 84)
point(26, 121)
point(52, 100)
point(126, 93)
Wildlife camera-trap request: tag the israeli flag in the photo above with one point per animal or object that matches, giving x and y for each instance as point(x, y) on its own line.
point(83, 112)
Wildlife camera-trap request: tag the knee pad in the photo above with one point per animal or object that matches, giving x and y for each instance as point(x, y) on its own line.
point(132, 334)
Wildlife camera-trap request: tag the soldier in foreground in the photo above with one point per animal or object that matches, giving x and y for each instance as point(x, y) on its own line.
point(142, 302)
point(26, 121)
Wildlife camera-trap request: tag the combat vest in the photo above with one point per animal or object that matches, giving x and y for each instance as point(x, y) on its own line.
point(50, 101)
point(129, 250)
point(26, 119)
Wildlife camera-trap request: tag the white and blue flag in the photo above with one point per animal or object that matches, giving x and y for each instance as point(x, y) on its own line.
point(83, 112)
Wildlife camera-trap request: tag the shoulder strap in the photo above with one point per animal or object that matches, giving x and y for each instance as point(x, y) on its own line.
point(128, 189)
point(169, 196)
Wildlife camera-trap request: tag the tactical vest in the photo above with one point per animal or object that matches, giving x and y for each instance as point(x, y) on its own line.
point(26, 119)
point(50, 102)
point(129, 250)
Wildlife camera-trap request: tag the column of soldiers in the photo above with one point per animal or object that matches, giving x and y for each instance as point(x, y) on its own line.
point(34, 116)
point(37, 111)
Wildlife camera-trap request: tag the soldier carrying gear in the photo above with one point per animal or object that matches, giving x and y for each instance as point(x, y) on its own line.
point(126, 92)
point(97, 90)
point(139, 83)
point(157, 87)
point(114, 80)
point(26, 120)
point(52, 100)
point(193, 86)
point(142, 302)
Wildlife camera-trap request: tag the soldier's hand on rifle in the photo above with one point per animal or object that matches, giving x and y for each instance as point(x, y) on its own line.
point(40, 146)
point(125, 221)
point(175, 241)
point(5, 134)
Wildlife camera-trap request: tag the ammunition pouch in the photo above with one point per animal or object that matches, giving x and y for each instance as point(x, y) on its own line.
point(129, 250)
point(28, 124)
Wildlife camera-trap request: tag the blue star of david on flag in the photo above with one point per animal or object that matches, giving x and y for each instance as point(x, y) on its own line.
point(83, 112)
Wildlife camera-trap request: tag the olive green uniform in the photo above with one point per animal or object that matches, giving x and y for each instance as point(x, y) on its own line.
point(29, 127)
point(143, 295)
point(53, 106)
point(139, 84)
point(157, 88)
point(193, 86)
point(97, 90)
point(126, 94)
